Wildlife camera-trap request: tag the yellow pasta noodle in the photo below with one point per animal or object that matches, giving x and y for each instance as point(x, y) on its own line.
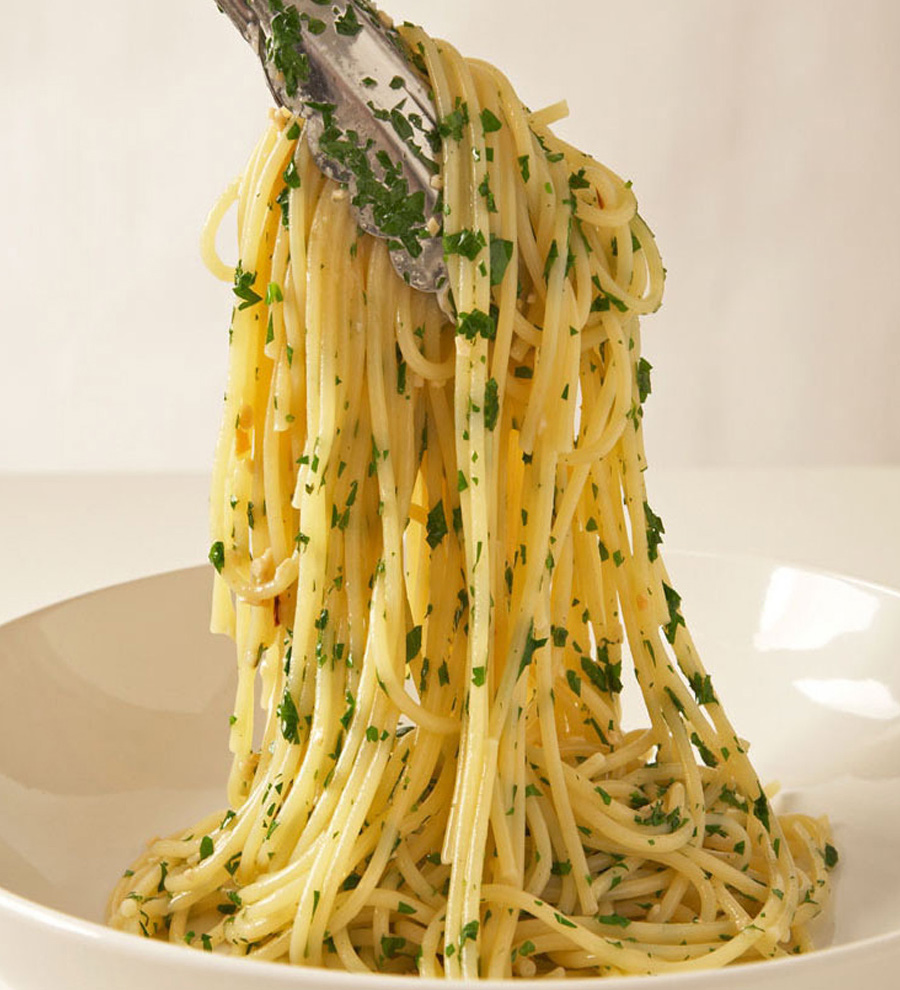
point(437, 558)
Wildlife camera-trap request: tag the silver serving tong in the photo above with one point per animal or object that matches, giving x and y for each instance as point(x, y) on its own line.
point(370, 117)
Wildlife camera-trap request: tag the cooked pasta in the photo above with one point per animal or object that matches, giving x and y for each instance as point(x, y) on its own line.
point(436, 555)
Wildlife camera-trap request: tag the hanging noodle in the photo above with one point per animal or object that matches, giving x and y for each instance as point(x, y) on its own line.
point(435, 553)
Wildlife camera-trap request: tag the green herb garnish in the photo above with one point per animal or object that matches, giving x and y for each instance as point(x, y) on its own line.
point(501, 255)
point(467, 243)
point(347, 23)
point(217, 555)
point(475, 324)
point(281, 46)
point(289, 718)
point(491, 405)
point(242, 287)
point(489, 121)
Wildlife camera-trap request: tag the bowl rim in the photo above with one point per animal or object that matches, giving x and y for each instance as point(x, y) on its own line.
point(164, 953)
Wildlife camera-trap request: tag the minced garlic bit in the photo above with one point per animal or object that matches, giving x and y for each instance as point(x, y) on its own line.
point(263, 568)
point(129, 908)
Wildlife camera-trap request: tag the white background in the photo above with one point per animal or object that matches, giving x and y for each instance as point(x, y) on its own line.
point(762, 137)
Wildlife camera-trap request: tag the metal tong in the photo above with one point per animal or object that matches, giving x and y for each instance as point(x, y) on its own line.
point(370, 118)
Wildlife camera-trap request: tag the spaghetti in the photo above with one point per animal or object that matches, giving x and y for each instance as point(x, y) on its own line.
point(435, 553)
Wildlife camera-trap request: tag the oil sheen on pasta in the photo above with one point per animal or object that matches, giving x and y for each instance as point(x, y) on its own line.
point(437, 558)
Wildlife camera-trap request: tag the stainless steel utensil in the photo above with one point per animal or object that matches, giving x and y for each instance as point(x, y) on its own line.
point(370, 119)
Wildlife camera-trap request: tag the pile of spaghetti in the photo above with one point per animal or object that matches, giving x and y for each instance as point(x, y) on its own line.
point(435, 553)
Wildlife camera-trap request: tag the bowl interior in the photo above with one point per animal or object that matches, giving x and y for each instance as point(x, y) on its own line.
point(114, 723)
point(113, 729)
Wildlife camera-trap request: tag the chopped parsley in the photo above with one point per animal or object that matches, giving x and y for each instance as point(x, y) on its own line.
point(531, 644)
point(603, 300)
point(413, 643)
point(436, 528)
point(391, 945)
point(289, 718)
point(467, 243)
point(643, 379)
point(242, 287)
point(489, 121)
point(605, 676)
point(578, 181)
point(217, 555)
point(702, 687)
point(282, 199)
point(655, 529)
point(291, 176)
point(761, 810)
point(475, 324)
point(452, 125)
point(398, 214)
point(676, 701)
point(676, 619)
point(351, 708)
point(485, 190)
point(347, 23)
point(491, 407)
point(552, 255)
point(501, 255)
point(281, 46)
point(706, 754)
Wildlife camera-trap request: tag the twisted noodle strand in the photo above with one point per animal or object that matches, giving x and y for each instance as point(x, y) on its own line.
point(437, 558)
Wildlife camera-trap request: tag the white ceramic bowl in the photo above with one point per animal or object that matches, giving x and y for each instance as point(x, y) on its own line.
point(113, 726)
